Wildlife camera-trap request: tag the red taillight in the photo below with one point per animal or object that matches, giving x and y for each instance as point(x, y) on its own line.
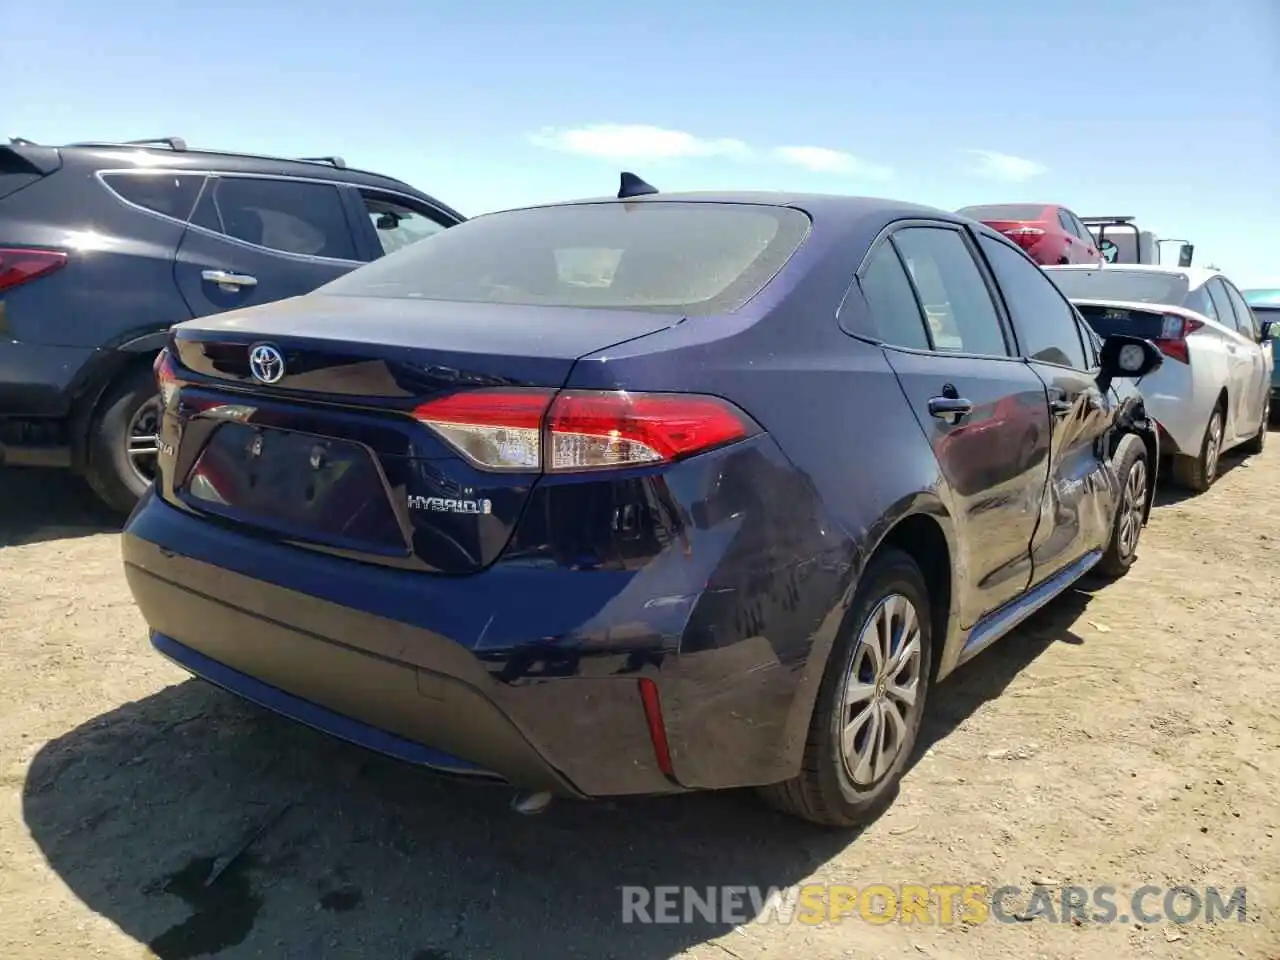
point(1025, 236)
point(657, 727)
point(1174, 331)
point(534, 430)
point(166, 376)
point(22, 266)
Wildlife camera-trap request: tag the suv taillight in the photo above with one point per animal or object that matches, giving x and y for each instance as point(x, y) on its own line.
point(531, 430)
point(19, 266)
point(1174, 331)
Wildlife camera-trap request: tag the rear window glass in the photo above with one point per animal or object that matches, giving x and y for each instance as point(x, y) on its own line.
point(166, 193)
point(662, 256)
point(1003, 211)
point(1138, 286)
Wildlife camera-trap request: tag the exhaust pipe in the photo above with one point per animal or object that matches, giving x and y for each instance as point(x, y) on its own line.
point(531, 804)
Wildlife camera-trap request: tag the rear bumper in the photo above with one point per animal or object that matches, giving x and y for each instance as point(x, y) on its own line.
point(388, 686)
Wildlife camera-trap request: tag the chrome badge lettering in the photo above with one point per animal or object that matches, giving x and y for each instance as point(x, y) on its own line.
point(449, 505)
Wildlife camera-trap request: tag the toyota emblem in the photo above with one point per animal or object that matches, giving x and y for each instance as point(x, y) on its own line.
point(266, 363)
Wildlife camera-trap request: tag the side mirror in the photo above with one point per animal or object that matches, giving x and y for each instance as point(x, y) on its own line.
point(1267, 330)
point(1185, 253)
point(1126, 358)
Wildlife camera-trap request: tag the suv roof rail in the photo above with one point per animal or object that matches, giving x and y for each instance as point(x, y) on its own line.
point(176, 144)
point(1106, 220)
point(332, 161)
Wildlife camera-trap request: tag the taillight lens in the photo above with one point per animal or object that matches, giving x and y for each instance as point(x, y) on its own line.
point(18, 266)
point(1174, 331)
point(1025, 236)
point(494, 429)
point(166, 376)
point(532, 430)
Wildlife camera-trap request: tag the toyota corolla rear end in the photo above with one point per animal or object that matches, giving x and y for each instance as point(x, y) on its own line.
point(402, 518)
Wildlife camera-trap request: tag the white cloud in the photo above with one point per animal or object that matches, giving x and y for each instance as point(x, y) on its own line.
point(824, 160)
point(1004, 166)
point(627, 142)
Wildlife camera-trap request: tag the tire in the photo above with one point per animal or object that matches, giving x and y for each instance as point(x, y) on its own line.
point(1259, 440)
point(108, 467)
point(1198, 473)
point(1133, 469)
point(826, 791)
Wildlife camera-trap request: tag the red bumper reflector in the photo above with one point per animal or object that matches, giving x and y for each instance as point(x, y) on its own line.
point(657, 729)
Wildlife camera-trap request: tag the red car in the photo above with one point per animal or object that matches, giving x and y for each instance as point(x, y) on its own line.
point(1051, 234)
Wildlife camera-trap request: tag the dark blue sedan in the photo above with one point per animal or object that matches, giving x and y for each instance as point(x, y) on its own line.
point(642, 494)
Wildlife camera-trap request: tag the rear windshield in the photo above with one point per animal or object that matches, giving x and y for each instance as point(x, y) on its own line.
point(1139, 286)
point(661, 256)
point(1003, 211)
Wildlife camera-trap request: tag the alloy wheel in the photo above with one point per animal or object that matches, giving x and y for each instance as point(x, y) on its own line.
point(880, 690)
point(1212, 445)
point(1132, 503)
point(142, 440)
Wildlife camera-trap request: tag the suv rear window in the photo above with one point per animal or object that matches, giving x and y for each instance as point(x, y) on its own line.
point(1003, 211)
point(660, 256)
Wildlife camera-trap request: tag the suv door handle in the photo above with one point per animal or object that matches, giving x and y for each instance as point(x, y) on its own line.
point(950, 409)
point(224, 279)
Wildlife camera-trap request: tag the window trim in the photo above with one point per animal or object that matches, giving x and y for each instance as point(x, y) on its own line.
point(1215, 283)
point(210, 174)
point(1087, 353)
point(885, 235)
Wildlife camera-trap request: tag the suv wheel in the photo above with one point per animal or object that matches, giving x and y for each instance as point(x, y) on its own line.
point(122, 440)
point(870, 704)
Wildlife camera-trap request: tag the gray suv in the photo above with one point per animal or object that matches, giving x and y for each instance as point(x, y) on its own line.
point(103, 246)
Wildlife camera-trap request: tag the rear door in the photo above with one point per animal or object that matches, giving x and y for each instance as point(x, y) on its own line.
point(255, 239)
point(1078, 509)
point(1253, 399)
point(1088, 243)
point(983, 411)
point(1240, 369)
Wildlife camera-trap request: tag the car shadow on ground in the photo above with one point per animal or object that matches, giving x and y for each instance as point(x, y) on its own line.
point(42, 505)
point(361, 856)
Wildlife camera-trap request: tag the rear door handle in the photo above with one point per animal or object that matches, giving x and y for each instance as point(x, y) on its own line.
point(1060, 408)
point(224, 279)
point(950, 409)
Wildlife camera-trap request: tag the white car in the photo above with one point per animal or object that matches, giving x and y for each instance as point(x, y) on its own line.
point(1213, 391)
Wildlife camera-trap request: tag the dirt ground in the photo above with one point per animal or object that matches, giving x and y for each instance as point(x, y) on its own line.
point(1126, 737)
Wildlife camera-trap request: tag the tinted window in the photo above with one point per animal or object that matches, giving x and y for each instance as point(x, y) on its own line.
point(1064, 221)
point(1003, 211)
point(1081, 230)
point(1198, 300)
point(663, 256)
point(1044, 321)
point(1245, 322)
point(396, 224)
point(957, 304)
point(292, 216)
point(1110, 283)
point(895, 313)
point(173, 196)
point(1221, 303)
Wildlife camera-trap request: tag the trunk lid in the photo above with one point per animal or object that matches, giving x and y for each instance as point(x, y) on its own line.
point(328, 455)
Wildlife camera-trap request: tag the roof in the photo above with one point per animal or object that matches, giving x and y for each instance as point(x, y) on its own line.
point(1196, 276)
point(1262, 297)
point(825, 205)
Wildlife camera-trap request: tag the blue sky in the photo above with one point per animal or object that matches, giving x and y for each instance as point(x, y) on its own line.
point(1161, 110)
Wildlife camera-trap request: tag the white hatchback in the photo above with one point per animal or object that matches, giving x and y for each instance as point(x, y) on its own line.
point(1213, 391)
